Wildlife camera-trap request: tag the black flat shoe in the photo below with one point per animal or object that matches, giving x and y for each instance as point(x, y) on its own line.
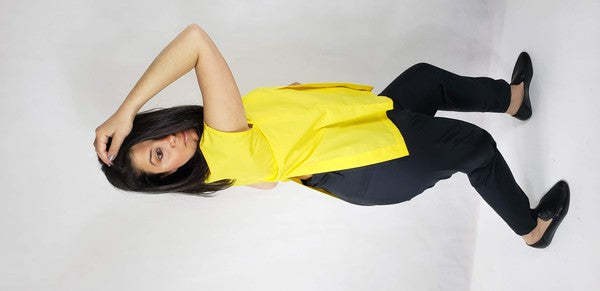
point(554, 205)
point(523, 72)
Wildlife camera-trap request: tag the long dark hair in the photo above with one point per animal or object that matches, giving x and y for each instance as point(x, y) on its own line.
point(156, 124)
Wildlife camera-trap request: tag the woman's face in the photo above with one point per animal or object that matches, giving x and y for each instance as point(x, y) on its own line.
point(165, 155)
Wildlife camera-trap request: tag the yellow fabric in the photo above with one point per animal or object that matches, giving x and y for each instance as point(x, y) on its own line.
point(303, 129)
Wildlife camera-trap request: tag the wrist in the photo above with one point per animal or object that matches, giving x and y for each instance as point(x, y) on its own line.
point(128, 109)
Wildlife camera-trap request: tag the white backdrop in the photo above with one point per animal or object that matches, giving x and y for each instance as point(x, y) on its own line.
point(67, 65)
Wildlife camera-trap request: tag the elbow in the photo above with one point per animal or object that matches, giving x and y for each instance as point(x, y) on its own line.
point(264, 185)
point(269, 185)
point(195, 28)
point(195, 35)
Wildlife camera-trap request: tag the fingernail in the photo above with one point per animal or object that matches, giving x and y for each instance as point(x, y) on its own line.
point(111, 157)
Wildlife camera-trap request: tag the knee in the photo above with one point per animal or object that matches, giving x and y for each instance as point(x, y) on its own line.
point(487, 138)
point(422, 68)
point(422, 71)
point(485, 149)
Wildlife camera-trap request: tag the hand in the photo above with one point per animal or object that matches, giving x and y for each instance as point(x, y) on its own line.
point(118, 126)
point(295, 83)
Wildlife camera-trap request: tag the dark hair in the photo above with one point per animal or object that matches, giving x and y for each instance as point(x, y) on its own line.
point(156, 124)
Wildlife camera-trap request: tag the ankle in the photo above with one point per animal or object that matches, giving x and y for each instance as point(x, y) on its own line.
point(536, 234)
point(517, 94)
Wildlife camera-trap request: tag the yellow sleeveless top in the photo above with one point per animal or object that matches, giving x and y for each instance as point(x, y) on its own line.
point(303, 129)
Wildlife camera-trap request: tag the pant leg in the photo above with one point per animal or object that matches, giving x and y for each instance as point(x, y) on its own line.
point(425, 88)
point(438, 147)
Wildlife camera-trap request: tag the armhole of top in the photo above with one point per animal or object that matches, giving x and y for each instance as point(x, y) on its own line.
point(219, 132)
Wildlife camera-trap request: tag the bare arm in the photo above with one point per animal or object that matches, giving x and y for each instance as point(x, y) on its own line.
point(192, 48)
point(223, 107)
point(264, 185)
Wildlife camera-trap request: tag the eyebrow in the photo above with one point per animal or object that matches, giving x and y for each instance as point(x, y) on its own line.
point(150, 158)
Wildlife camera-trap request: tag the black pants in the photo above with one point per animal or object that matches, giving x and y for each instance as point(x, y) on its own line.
point(438, 147)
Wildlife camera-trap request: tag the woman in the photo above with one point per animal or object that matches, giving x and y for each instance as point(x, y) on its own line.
point(337, 138)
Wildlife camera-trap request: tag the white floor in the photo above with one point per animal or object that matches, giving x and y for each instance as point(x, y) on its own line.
point(560, 141)
point(67, 65)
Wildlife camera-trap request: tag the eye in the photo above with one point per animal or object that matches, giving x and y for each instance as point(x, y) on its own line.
point(159, 154)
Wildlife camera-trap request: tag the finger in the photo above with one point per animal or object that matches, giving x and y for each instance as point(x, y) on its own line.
point(100, 145)
point(115, 145)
